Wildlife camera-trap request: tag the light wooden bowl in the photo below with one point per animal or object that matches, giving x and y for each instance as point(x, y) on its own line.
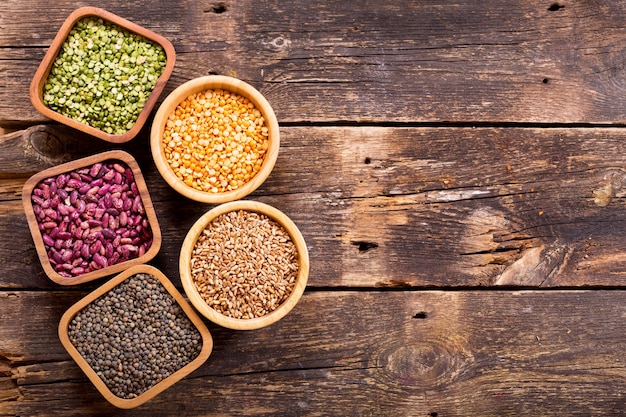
point(33, 223)
point(40, 77)
point(202, 306)
point(197, 85)
point(207, 340)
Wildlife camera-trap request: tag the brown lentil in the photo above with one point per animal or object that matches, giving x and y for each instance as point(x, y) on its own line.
point(215, 141)
point(244, 264)
point(135, 335)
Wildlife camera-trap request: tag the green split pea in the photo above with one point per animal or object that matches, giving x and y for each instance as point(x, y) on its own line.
point(103, 75)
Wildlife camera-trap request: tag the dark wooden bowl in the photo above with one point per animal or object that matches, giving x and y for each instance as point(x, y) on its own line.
point(40, 77)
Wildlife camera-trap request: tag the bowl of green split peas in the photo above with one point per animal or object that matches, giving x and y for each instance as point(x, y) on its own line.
point(102, 75)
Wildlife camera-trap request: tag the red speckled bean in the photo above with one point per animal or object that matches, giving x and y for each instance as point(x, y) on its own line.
point(45, 191)
point(37, 200)
point(61, 180)
point(115, 257)
point(48, 240)
point(94, 223)
point(99, 213)
point(49, 225)
point(95, 247)
point(74, 183)
point(64, 235)
point(79, 270)
point(85, 251)
point(108, 176)
point(67, 255)
point(123, 218)
point(63, 209)
point(118, 203)
point(109, 249)
point(104, 189)
point(108, 233)
point(95, 169)
point(100, 260)
point(130, 178)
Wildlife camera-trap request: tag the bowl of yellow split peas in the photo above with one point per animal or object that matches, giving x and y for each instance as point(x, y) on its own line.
point(215, 139)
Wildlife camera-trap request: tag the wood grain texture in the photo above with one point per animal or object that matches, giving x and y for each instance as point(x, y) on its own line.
point(393, 61)
point(406, 354)
point(403, 207)
point(456, 168)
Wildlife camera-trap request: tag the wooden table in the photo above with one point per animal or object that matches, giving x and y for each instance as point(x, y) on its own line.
point(457, 168)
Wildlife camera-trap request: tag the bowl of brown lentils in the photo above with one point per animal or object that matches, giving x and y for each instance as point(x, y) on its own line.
point(102, 75)
point(215, 139)
point(244, 265)
point(135, 336)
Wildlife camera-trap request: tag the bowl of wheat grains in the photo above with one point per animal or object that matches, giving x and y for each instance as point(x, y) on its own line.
point(244, 265)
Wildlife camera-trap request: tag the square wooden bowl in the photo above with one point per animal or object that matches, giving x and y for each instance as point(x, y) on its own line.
point(38, 231)
point(39, 80)
point(207, 341)
point(214, 315)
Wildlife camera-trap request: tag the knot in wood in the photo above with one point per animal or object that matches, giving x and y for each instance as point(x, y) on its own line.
point(47, 144)
point(426, 364)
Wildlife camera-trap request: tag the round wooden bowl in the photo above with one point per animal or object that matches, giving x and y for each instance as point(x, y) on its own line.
point(202, 306)
point(39, 80)
point(207, 340)
point(213, 82)
point(38, 239)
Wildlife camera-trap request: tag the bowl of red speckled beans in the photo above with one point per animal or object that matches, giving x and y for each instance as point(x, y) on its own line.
point(91, 217)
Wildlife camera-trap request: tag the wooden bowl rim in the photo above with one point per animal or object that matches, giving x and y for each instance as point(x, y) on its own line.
point(207, 340)
point(257, 322)
point(201, 84)
point(33, 224)
point(41, 75)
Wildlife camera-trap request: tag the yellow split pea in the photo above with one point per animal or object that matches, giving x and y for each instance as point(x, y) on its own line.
point(215, 140)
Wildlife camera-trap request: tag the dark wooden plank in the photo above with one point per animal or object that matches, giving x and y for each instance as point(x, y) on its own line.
point(405, 206)
point(406, 353)
point(25, 152)
point(391, 61)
